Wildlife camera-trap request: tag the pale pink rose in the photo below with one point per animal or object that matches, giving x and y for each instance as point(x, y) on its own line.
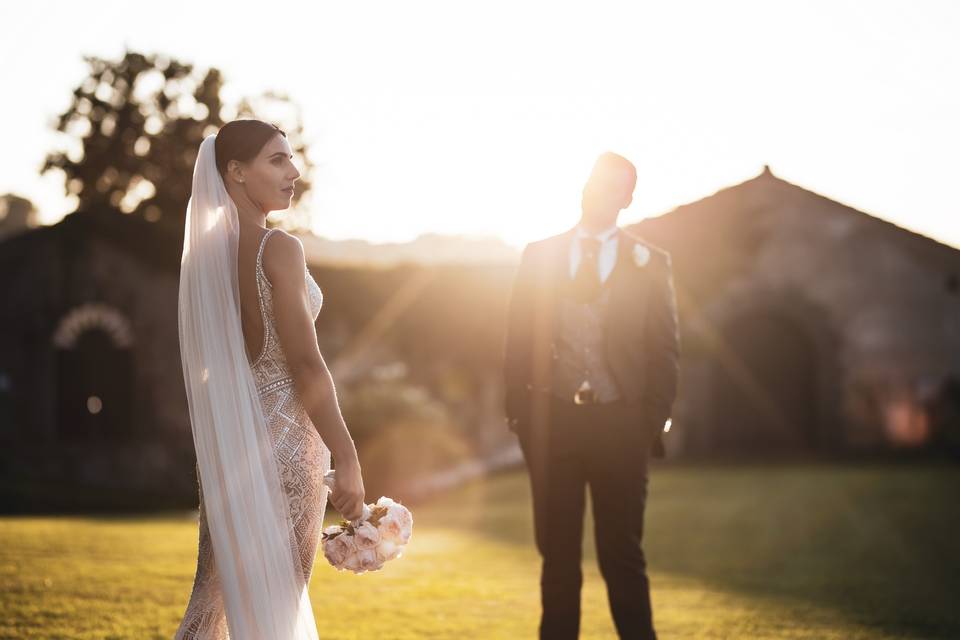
point(402, 514)
point(397, 525)
point(348, 541)
point(332, 554)
point(388, 550)
point(366, 536)
point(391, 529)
point(352, 563)
point(368, 560)
point(336, 550)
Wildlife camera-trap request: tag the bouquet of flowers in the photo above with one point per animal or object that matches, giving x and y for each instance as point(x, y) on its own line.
point(367, 543)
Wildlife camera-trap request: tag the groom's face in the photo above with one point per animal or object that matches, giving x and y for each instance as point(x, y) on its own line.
point(608, 190)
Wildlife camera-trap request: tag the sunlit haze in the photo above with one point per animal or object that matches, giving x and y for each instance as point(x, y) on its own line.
point(484, 118)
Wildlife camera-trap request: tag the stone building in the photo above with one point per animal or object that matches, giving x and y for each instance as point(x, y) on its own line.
point(808, 326)
point(91, 391)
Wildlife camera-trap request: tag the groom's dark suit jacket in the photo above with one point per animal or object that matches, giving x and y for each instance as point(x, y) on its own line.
point(642, 338)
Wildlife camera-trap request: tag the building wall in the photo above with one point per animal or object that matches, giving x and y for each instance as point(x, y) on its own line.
point(80, 285)
point(870, 300)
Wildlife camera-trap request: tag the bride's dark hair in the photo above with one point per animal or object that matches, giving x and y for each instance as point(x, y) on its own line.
point(242, 140)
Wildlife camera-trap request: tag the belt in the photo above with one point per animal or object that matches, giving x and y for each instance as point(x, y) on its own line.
point(581, 396)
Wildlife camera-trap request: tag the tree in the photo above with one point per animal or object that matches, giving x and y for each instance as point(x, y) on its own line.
point(133, 131)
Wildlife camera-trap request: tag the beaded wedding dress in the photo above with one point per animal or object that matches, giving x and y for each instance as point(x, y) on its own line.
point(301, 456)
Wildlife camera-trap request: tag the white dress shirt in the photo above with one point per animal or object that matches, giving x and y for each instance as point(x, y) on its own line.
point(608, 250)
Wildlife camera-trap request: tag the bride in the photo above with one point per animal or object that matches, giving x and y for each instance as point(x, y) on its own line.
point(263, 407)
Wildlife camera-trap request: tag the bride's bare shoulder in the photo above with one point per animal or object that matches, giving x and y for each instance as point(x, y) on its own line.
point(283, 258)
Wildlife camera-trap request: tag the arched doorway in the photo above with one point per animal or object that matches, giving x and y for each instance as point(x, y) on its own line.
point(765, 386)
point(94, 374)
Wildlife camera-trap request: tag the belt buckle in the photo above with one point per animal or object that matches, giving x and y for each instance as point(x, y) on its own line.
point(584, 396)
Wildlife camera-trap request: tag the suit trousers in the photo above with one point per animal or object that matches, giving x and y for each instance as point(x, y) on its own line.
point(601, 447)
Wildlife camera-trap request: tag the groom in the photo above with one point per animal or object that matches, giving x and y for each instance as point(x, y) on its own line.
point(591, 368)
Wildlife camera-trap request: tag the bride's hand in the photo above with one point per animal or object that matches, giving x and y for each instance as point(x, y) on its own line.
point(348, 493)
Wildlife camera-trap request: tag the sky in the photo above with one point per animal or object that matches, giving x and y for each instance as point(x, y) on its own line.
point(484, 118)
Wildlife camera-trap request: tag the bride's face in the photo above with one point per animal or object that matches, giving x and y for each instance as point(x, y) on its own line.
point(268, 179)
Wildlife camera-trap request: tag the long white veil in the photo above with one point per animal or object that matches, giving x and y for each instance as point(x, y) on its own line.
point(254, 545)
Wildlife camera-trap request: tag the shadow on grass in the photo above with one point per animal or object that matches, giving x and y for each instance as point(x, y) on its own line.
point(878, 543)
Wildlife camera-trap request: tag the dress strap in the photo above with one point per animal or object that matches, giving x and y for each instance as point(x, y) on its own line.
point(263, 312)
point(263, 243)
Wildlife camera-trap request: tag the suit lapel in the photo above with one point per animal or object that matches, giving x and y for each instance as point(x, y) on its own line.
point(561, 271)
point(559, 275)
point(622, 264)
point(629, 294)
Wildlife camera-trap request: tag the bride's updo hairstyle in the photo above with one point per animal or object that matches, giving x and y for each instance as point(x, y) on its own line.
point(242, 140)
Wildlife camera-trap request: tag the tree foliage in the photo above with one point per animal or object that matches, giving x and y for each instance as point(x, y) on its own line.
point(133, 129)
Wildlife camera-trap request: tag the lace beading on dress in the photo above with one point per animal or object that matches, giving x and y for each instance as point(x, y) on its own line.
point(302, 460)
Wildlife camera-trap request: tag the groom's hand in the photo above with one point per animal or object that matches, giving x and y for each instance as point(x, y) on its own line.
point(650, 432)
point(514, 402)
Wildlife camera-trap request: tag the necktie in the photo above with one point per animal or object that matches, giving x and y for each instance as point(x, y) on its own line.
point(586, 282)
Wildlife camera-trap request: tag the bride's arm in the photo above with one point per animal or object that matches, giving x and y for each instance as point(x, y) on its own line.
point(285, 265)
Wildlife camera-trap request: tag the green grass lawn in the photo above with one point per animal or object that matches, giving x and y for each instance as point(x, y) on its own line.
point(793, 551)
